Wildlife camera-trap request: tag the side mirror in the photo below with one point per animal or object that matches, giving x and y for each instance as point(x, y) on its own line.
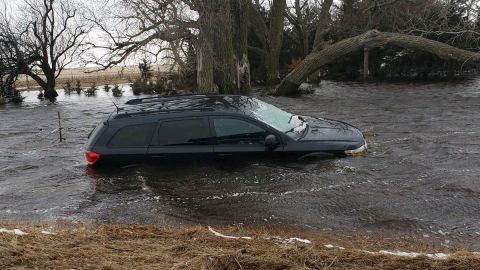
point(271, 141)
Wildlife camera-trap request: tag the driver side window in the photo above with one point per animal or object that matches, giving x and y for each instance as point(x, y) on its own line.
point(236, 131)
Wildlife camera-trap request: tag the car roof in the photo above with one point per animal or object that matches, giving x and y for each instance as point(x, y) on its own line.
point(194, 103)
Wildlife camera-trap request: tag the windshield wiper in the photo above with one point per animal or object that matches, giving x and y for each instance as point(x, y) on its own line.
point(290, 130)
point(299, 118)
point(293, 129)
point(290, 119)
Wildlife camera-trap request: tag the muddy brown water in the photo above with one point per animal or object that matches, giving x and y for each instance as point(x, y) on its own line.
point(421, 175)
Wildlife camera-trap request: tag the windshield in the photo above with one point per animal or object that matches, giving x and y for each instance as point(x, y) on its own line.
point(292, 125)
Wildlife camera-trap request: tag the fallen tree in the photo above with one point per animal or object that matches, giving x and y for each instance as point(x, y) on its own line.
point(371, 39)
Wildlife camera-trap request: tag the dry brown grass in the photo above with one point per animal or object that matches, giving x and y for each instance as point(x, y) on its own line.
point(87, 76)
point(109, 246)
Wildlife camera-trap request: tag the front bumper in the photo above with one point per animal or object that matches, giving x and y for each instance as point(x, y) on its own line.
point(362, 150)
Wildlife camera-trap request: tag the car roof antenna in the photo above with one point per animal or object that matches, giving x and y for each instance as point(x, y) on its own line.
point(115, 104)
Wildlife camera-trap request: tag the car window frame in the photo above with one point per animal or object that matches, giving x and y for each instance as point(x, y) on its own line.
point(154, 139)
point(255, 122)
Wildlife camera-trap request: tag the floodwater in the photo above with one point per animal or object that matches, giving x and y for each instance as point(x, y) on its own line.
point(421, 175)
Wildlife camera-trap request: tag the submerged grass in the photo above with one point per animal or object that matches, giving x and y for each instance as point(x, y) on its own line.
point(111, 246)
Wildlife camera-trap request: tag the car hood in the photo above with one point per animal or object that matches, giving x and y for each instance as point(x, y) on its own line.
point(321, 129)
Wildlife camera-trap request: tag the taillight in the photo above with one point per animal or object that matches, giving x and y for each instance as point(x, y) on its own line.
point(92, 157)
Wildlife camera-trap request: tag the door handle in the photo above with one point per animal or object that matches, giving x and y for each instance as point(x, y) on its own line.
point(158, 156)
point(224, 154)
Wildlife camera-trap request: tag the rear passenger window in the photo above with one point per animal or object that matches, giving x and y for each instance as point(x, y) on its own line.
point(184, 132)
point(132, 136)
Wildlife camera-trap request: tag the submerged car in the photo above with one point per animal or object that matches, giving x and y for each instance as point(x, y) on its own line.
point(218, 126)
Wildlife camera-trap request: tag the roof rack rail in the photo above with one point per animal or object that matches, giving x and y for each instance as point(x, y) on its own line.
point(160, 98)
point(161, 111)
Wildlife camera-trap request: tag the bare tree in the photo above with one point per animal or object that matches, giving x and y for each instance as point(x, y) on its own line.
point(299, 16)
point(307, 17)
point(222, 46)
point(56, 31)
point(454, 22)
point(269, 35)
point(46, 42)
point(311, 22)
point(155, 27)
point(323, 24)
point(176, 29)
point(15, 55)
point(8, 57)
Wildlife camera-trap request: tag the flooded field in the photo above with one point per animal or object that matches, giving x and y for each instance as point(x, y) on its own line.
point(421, 175)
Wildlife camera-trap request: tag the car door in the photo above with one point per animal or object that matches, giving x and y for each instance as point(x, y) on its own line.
point(240, 138)
point(181, 138)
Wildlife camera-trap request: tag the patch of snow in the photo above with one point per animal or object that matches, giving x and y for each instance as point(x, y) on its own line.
point(332, 246)
point(435, 256)
point(275, 238)
point(399, 253)
point(49, 233)
point(14, 231)
point(227, 236)
point(293, 239)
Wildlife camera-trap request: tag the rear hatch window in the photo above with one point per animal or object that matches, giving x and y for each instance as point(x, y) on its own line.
point(94, 134)
point(133, 136)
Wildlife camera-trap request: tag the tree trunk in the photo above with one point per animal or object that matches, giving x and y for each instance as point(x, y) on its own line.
point(274, 42)
point(205, 60)
point(225, 68)
point(50, 92)
point(7, 85)
point(322, 25)
point(49, 88)
point(216, 64)
point(370, 39)
point(322, 30)
point(241, 36)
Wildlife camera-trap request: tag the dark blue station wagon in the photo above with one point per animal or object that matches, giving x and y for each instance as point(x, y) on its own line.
point(218, 126)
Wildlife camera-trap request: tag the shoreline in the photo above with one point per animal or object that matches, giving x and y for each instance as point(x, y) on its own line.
point(63, 245)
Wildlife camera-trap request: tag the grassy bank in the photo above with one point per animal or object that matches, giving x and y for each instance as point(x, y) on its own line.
point(108, 246)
